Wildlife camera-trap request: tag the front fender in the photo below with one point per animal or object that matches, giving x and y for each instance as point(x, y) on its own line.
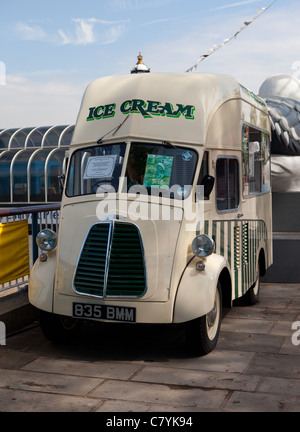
point(41, 283)
point(196, 290)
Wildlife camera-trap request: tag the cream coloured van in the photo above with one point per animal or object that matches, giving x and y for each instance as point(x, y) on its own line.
point(166, 211)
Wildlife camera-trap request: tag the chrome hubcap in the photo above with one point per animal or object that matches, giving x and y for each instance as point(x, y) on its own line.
point(211, 316)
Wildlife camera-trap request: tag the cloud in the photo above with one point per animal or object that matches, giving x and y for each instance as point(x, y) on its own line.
point(134, 5)
point(24, 85)
point(86, 31)
point(113, 34)
point(55, 101)
point(158, 21)
point(231, 5)
point(28, 32)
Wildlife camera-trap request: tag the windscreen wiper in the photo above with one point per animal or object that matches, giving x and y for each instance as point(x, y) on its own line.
point(114, 130)
point(168, 144)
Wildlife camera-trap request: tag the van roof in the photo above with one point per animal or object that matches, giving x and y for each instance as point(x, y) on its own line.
point(173, 107)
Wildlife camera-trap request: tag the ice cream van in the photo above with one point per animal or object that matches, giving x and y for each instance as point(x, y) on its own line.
point(166, 211)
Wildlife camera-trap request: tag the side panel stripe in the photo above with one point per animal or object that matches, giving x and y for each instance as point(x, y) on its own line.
point(239, 242)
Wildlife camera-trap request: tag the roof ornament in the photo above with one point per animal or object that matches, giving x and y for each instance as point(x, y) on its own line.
point(140, 67)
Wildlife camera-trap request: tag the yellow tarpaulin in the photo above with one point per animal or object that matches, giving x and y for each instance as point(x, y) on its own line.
point(14, 250)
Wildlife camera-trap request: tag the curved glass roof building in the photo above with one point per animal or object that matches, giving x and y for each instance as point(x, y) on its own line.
point(31, 163)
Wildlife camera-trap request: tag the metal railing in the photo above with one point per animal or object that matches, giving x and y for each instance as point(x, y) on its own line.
point(39, 217)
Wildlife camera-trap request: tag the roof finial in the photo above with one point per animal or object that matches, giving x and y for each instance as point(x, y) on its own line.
point(140, 59)
point(140, 67)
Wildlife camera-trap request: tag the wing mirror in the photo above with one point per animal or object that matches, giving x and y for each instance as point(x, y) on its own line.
point(208, 184)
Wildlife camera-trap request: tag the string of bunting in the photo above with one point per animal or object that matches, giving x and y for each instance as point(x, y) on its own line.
point(217, 47)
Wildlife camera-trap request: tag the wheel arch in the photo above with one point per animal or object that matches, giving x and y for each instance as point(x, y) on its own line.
point(226, 287)
point(262, 262)
point(196, 290)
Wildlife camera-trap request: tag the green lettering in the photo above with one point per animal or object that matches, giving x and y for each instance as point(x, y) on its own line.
point(187, 111)
point(153, 107)
point(109, 110)
point(124, 108)
point(98, 112)
point(166, 109)
point(138, 106)
point(90, 116)
point(147, 109)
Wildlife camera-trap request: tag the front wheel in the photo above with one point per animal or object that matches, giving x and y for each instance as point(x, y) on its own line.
point(202, 333)
point(59, 328)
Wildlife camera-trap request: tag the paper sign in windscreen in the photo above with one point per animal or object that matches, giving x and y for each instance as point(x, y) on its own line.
point(100, 167)
point(158, 171)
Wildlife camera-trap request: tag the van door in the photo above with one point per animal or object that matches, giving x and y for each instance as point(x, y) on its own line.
point(229, 232)
point(236, 235)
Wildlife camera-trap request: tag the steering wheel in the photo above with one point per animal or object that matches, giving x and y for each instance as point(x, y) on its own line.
point(99, 183)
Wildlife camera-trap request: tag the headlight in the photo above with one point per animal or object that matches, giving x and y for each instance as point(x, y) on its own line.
point(203, 246)
point(46, 239)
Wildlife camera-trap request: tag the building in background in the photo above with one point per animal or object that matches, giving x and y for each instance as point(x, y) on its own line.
point(31, 163)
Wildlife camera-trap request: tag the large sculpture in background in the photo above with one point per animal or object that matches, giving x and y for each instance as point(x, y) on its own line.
point(282, 95)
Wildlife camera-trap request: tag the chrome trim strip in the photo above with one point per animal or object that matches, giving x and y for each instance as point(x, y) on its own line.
point(108, 252)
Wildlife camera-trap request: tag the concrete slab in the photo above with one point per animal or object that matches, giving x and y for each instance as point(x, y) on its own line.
point(12, 359)
point(255, 402)
point(114, 407)
point(197, 378)
point(281, 328)
point(280, 386)
point(179, 396)
point(242, 325)
point(123, 406)
point(47, 382)
point(31, 401)
point(250, 342)
point(112, 369)
point(289, 348)
point(275, 365)
point(262, 312)
point(218, 360)
point(16, 312)
point(255, 366)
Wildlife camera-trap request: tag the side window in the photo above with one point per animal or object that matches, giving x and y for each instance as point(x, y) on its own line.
point(227, 183)
point(256, 161)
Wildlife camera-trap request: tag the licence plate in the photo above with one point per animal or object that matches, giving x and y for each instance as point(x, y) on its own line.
point(104, 312)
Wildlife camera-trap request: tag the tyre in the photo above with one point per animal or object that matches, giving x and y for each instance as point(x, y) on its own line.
point(58, 328)
point(202, 333)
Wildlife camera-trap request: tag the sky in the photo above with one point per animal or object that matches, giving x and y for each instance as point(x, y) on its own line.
point(51, 50)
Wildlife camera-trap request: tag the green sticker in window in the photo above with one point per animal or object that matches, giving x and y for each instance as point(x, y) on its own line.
point(158, 171)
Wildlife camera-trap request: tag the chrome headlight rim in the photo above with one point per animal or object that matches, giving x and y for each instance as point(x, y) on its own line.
point(203, 246)
point(46, 239)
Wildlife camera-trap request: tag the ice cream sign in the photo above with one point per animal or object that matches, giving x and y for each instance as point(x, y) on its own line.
point(147, 109)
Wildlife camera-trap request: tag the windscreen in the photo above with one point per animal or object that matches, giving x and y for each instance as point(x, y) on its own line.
point(161, 169)
point(94, 166)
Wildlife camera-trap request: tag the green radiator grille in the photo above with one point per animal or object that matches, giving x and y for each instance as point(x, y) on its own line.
point(111, 262)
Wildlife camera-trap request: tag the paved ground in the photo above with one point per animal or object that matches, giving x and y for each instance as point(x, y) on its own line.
point(115, 368)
